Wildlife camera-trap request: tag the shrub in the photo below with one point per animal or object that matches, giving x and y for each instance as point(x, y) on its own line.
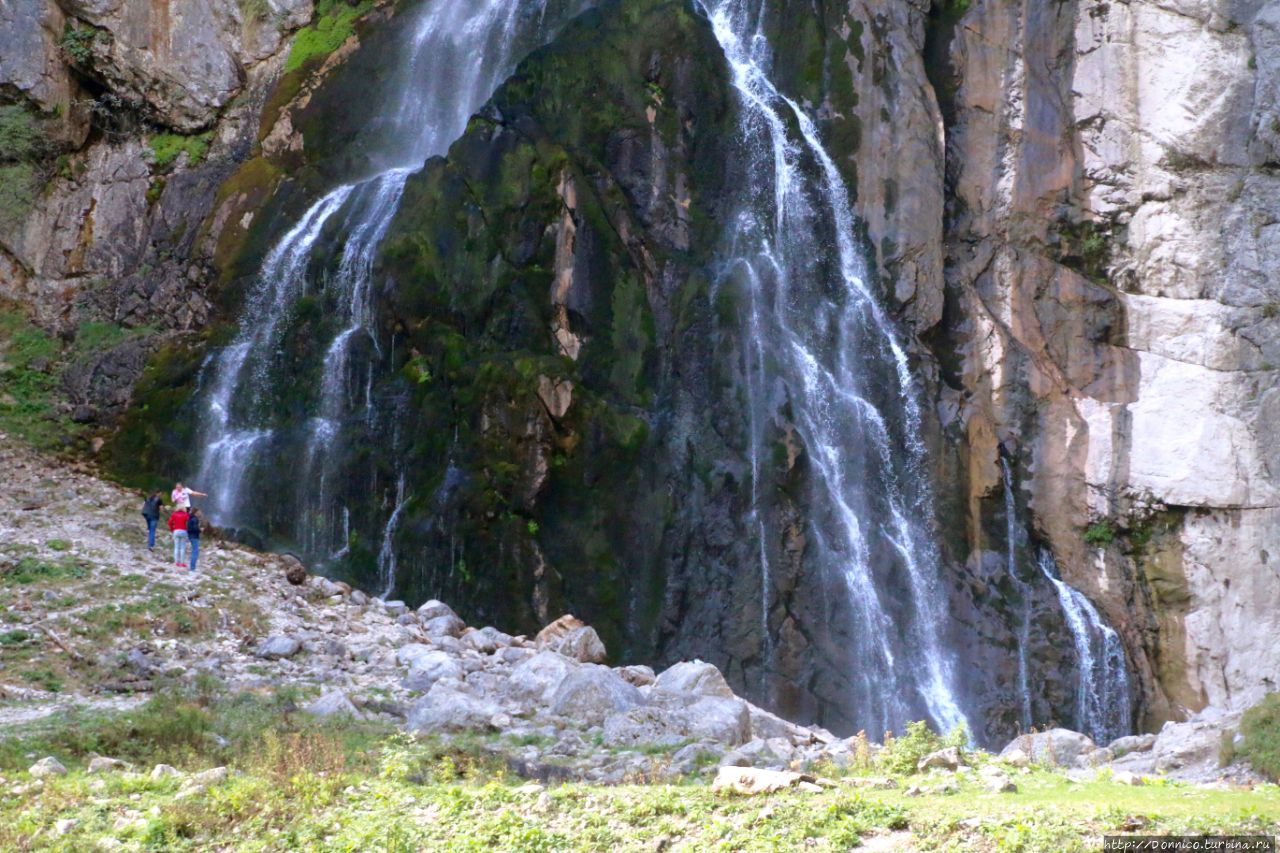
point(1100, 533)
point(1261, 729)
point(902, 754)
point(20, 137)
point(167, 146)
point(77, 44)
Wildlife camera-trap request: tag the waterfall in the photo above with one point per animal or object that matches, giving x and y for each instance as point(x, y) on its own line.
point(818, 342)
point(387, 554)
point(1102, 687)
point(452, 57)
point(1024, 594)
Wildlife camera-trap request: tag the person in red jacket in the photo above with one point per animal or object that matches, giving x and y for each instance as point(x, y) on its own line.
point(178, 527)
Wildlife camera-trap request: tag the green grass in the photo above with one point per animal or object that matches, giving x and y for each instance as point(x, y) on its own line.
point(333, 24)
point(167, 146)
point(1261, 730)
point(29, 570)
point(29, 384)
point(301, 783)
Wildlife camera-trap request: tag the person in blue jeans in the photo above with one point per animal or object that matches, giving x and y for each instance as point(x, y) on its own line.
point(151, 512)
point(193, 536)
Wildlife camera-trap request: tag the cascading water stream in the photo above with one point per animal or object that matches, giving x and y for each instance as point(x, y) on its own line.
point(1102, 693)
point(1024, 593)
point(818, 341)
point(453, 58)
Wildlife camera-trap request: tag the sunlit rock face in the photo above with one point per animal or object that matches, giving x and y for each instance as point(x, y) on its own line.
point(1112, 250)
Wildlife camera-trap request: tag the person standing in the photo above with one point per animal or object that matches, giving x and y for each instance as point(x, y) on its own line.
point(193, 536)
point(181, 496)
point(178, 527)
point(151, 512)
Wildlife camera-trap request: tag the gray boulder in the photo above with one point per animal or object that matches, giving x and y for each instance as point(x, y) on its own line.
point(538, 678)
point(1055, 747)
point(277, 647)
point(943, 759)
point(427, 669)
point(593, 692)
point(103, 764)
point(1131, 743)
point(582, 644)
point(639, 675)
point(451, 706)
point(1192, 750)
point(670, 719)
point(333, 704)
point(434, 608)
point(410, 652)
point(694, 676)
point(443, 626)
point(486, 641)
point(46, 767)
point(395, 608)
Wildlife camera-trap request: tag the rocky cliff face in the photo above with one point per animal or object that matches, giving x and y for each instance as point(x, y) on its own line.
point(1069, 206)
point(1112, 315)
point(136, 113)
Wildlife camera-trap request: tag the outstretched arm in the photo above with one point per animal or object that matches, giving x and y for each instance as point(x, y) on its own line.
point(198, 494)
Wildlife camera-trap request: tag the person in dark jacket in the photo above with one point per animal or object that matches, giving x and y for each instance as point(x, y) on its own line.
point(151, 512)
point(193, 536)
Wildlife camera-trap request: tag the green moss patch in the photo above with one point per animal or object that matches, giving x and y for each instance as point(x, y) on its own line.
point(334, 23)
point(166, 147)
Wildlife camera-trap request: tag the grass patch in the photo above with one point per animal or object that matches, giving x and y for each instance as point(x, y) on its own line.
point(30, 570)
point(28, 383)
point(165, 147)
point(1261, 729)
point(333, 24)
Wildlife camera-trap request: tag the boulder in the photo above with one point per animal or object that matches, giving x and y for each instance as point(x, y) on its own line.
point(395, 609)
point(408, 653)
point(450, 706)
point(1015, 757)
point(767, 725)
point(640, 676)
point(277, 646)
point(47, 767)
point(945, 759)
point(443, 626)
point(212, 776)
point(708, 718)
point(750, 780)
point(1191, 750)
point(538, 678)
point(694, 677)
point(161, 771)
point(582, 644)
point(102, 764)
point(359, 598)
point(1125, 777)
point(558, 629)
point(333, 704)
point(294, 572)
point(427, 669)
point(1131, 743)
point(486, 641)
point(995, 780)
point(1055, 747)
point(592, 692)
point(434, 608)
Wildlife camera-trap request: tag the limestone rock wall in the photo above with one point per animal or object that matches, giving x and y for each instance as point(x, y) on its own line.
point(1113, 201)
